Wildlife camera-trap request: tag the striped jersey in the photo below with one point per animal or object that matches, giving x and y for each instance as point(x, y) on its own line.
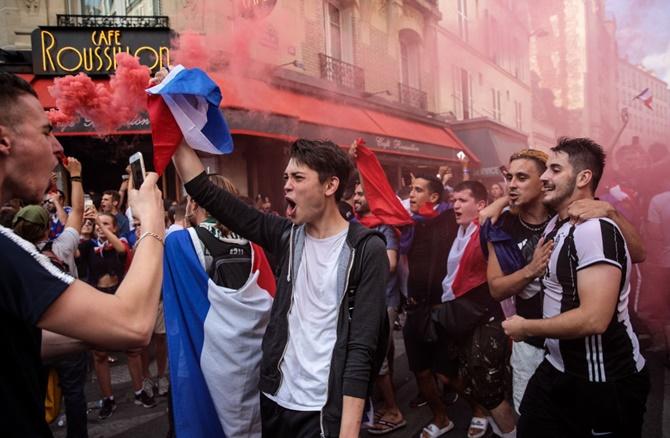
point(615, 354)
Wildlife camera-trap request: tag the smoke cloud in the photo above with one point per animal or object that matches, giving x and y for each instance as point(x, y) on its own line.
point(107, 107)
point(643, 34)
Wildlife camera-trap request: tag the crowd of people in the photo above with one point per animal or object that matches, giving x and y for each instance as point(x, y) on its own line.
point(521, 298)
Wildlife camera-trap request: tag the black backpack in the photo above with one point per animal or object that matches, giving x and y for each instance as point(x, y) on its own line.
point(231, 262)
point(352, 288)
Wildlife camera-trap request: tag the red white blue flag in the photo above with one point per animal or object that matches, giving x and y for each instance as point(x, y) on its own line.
point(646, 97)
point(214, 339)
point(185, 105)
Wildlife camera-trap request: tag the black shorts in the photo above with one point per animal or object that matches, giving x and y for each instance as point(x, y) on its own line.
point(557, 405)
point(483, 364)
point(423, 355)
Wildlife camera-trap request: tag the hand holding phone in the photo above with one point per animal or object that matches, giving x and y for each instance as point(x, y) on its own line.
point(137, 169)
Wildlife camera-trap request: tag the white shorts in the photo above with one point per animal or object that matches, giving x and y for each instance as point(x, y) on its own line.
point(525, 360)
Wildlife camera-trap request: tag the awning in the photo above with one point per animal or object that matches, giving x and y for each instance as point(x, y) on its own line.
point(254, 107)
point(492, 142)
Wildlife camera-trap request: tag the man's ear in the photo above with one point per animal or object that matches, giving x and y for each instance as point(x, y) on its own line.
point(434, 198)
point(332, 184)
point(5, 140)
point(481, 205)
point(584, 178)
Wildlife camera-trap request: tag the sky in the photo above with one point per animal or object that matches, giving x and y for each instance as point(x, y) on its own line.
point(643, 33)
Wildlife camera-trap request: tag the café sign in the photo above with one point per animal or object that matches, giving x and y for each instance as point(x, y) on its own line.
point(60, 51)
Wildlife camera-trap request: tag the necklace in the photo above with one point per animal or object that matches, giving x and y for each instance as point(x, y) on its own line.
point(532, 228)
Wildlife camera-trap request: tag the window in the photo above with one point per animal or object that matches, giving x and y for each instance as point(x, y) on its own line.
point(338, 23)
point(518, 116)
point(495, 100)
point(333, 32)
point(96, 7)
point(464, 88)
point(463, 19)
point(410, 58)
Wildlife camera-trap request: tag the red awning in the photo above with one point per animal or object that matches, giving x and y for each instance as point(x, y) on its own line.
point(255, 95)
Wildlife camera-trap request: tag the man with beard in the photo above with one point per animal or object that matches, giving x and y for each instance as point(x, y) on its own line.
point(390, 418)
point(328, 312)
point(593, 380)
point(517, 259)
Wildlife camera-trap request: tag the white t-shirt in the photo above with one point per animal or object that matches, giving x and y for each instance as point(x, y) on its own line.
point(312, 326)
point(65, 248)
point(659, 214)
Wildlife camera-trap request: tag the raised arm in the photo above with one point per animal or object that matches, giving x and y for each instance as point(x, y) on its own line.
point(74, 219)
point(263, 229)
point(125, 319)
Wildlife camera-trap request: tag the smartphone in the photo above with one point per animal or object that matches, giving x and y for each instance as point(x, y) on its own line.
point(88, 202)
point(137, 169)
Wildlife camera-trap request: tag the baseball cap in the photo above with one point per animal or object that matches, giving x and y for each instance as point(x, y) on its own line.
point(35, 214)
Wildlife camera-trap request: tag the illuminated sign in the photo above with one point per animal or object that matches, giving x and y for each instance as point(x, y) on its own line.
point(61, 51)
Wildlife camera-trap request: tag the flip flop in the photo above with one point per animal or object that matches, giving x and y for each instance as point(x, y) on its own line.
point(389, 426)
point(434, 431)
point(480, 423)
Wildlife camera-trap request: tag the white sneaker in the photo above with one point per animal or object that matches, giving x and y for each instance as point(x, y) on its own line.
point(163, 386)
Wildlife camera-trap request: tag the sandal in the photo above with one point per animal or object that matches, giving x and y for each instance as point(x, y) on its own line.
point(478, 423)
point(386, 426)
point(434, 431)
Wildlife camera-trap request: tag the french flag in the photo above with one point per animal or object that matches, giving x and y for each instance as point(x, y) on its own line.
point(185, 105)
point(646, 97)
point(214, 339)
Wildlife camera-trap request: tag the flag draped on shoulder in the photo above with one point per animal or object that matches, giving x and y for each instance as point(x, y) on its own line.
point(185, 105)
point(214, 341)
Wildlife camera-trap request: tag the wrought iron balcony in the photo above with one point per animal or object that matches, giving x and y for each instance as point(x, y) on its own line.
point(412, 96)
point(123, 21)
point(342, 73)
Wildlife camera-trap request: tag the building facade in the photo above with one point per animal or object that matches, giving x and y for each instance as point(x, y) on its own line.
point(484, 77)
point(574, 55)
point(337, 69)
point(647, 124)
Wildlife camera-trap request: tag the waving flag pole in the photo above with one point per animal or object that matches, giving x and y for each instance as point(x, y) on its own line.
point(185, 106)
point(646, 97)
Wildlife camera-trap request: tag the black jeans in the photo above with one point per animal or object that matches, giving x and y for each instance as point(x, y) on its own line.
point(279, 422)
point(72, 376)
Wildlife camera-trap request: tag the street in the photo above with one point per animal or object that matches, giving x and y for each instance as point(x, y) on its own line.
point(130, 420)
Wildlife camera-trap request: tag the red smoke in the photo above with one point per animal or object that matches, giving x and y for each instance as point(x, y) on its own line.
point(107, 107)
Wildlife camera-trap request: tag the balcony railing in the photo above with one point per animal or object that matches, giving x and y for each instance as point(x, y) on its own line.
point(412, 96)
point(342, 73)
point(112, 21)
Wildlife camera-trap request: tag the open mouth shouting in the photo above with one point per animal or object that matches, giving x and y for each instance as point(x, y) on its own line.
point(290, 207)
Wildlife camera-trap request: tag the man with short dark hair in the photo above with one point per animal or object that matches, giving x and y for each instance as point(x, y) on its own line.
point(110, 204)
point(593, 381)
point(36, 297)
point(329, 310)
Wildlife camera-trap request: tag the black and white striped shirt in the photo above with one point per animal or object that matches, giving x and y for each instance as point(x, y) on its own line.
point(615, 354)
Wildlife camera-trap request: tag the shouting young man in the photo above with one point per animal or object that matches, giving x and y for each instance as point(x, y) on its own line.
point(35, 295)
point(593, 381)
point(322, 339)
